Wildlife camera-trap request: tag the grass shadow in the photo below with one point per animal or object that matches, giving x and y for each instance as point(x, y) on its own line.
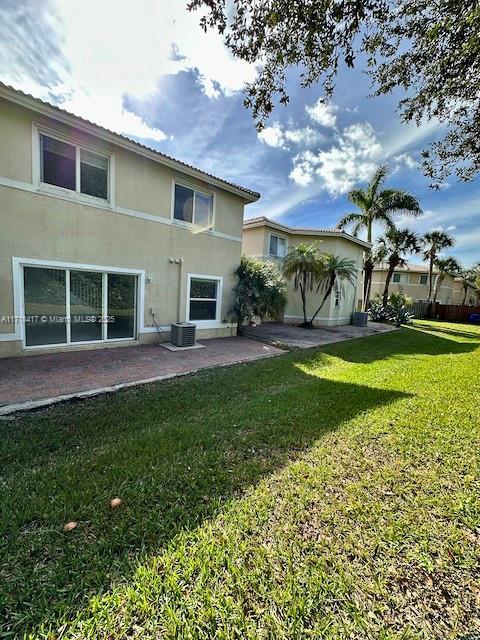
point(421, 340)
point(456, 330)
point(175, 452)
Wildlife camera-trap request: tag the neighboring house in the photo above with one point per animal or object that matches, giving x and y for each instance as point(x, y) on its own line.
point(269, 240)
point(103, 240)
point(459, 293)
point(413, 281)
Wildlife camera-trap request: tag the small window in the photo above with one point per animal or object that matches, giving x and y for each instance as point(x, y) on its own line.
point(192, 206)
point(400, 278)
point(278, 246)
point(203, 299)
point(70, 167)
point(58, 162)
point(423, 278)
point(93, 174)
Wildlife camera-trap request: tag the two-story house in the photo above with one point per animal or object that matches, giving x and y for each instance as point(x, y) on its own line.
point(412, 279)
point(269, 240)
point(105, 241)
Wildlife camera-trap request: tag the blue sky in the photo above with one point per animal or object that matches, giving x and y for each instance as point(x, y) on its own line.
point(147, 70)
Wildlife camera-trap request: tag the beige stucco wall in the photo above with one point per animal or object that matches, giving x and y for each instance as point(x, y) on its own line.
point(39, 226)
point(459, 293)
point(413, 289)
point(256, 243)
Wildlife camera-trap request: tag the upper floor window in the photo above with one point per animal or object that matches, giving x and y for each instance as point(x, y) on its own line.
point(71, 167)
point(192, 206)
point(278, 246)
point(401, 278)
point(423, 278)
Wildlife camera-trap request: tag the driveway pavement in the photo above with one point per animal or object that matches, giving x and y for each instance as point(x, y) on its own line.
point(298, 338)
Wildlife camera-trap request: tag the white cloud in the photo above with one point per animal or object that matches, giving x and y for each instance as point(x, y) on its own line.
point(352, 159)
point(278, 136)
point(112, 49)
point(272, 136)
point(406, 160)
point(303, 171)
point(323, 112)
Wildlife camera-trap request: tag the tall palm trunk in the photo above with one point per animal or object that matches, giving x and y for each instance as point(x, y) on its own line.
point(328, 291)
point(367, 279)
point(430, 278)
point(438, 281)
point(464, 295)
point(304, 300)
point(391, 269)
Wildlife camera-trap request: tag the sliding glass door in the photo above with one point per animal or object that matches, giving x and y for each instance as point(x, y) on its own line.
point(86, 291)
point(121, 306)
point(45, 306)
point(65, 306)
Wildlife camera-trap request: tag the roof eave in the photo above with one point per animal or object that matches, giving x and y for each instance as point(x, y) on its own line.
point(302, 232)
point(39, 106)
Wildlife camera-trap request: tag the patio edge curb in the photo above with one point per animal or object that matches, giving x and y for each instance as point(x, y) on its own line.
point(29, 405)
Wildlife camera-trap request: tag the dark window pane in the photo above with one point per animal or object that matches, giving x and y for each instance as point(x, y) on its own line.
point(203, 209)
point(203, 289)
point(58, 163)
point(183, 207)
point(93, 174)
point(121, 306)
point(85, 306)
point(203, 310)
point(273, 245)
point(45, 306)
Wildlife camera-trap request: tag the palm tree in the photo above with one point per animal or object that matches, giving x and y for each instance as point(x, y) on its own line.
point(379, 205)
point(445, 267)
point(467, 278)
point(304, 264)
point(336, 270)
point(396, 243)
point(476, 280)
point(261, 290)
point(434, 241)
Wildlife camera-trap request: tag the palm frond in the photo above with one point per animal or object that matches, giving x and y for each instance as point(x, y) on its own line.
point(352, 218)
point(399, 201)
point(359, 198)
point(377, 179)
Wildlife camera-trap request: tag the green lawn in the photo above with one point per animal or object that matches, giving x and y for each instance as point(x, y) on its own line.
point(329, 493)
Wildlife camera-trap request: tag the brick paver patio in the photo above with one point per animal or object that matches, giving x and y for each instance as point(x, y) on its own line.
point(40, 378)
point(293, 337)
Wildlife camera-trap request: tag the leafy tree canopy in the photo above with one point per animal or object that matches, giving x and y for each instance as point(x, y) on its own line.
point(260, 291)
point(430, 49)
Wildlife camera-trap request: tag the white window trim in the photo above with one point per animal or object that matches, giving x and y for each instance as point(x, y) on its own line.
point(194, 188)
point(406, 275)
point(18, 291)
point(68, 194)
point(103, 207)
point(277, 235)
point(206, 324)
